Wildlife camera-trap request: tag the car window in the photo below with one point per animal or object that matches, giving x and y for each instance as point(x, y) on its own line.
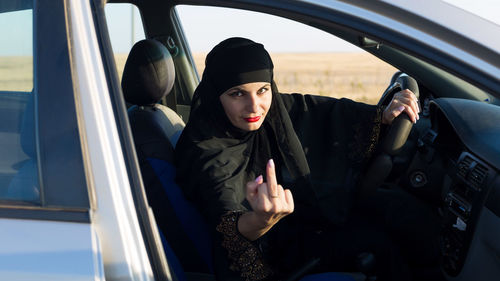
point(125, 29)
point(41, 156)
point(313, 63)
point(18, 161)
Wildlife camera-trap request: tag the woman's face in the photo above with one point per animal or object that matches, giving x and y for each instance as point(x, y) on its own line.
point(246, 105)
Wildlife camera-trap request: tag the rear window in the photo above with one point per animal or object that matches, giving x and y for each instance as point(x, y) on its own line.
point(18, 161)
point(16, 50)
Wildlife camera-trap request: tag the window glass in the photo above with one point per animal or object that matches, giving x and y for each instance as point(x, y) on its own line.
point(18, 160)
point(307, 60)
point(16, 50)
point(125, 29)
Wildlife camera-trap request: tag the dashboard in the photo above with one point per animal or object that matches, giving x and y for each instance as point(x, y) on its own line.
point(461, 147)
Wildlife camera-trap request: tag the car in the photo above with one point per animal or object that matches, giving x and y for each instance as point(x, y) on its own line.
point(73, 203)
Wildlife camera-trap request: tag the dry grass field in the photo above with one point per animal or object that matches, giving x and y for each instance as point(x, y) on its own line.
point(16, 74)
point(359, 76)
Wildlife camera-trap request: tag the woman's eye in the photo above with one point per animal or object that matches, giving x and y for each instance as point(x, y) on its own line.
point(236, 94)
point(263, 90)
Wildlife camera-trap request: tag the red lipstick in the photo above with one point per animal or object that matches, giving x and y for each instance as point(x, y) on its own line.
point(252, 119)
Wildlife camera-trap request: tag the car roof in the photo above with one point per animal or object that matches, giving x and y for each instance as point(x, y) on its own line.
point(436, 18)
point(446, 15)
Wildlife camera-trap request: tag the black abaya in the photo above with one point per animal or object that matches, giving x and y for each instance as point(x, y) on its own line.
point(320, 146)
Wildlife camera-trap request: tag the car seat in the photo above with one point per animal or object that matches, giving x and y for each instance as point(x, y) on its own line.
point(149, 76)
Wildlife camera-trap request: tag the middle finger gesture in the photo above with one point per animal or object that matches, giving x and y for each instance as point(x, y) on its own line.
point(268, 199)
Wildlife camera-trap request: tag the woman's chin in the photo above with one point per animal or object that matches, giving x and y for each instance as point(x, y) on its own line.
point(250, 126)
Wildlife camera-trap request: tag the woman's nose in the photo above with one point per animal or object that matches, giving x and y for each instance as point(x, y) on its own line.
point(253, 102)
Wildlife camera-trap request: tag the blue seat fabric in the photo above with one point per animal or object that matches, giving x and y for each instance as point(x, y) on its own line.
point(173, 261)
point(191, 221)
point(175, 218)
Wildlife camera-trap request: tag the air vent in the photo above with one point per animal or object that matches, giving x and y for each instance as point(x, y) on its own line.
point(477, 175)
point(464, 166)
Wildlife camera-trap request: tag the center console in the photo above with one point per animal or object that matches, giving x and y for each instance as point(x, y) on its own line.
point(463, 195)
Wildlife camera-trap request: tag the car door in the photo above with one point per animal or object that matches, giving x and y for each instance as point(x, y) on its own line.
point(432, 51)
point(45, 203)
point(66, 206)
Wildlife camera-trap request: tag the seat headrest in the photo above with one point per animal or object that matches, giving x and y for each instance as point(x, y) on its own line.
point(149, 73)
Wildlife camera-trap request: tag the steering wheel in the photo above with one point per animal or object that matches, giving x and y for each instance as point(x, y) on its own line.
point(391, 144)
point(401, 126)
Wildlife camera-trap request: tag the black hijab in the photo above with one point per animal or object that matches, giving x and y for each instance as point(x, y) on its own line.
point(215, 159)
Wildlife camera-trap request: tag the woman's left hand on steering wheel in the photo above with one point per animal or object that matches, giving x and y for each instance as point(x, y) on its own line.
point(402, 101)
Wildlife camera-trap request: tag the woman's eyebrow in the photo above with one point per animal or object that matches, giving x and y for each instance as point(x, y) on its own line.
point(236, 89)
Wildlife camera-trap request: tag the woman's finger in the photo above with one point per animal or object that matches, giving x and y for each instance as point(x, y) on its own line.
point(272, 183)
point(409, 99)
point(265, 203)
point(396, 111)
point(252, 186)
point(409, 104)
point(289, 200)
point(411, 114)
point(412, 101)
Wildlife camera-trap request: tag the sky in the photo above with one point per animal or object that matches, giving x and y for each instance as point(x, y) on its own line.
point(287, 36)
point(17, 27)
point(299, 38)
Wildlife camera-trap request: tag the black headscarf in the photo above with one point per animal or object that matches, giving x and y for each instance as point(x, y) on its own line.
point(215, 159)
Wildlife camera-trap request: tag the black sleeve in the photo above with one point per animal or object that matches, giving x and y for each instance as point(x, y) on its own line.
point(354, 126)
point(338, 137)
point(244, 256)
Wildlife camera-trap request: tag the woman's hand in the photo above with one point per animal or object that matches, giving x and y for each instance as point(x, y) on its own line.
point(269, 202)
point(404, 100)
point(268, 199)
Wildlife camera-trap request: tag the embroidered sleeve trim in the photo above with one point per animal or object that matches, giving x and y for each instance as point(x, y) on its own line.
point(244, 256)
point(375, 134)
point(366, 139)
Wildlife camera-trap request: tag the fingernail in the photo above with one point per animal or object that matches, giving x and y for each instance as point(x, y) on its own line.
point(271, 163)
point(401, 108)
point(258, 179)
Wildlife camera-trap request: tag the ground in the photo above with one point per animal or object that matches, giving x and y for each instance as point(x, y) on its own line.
point(359, 76)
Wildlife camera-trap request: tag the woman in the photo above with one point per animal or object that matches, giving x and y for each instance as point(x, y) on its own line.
point(274, 174)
